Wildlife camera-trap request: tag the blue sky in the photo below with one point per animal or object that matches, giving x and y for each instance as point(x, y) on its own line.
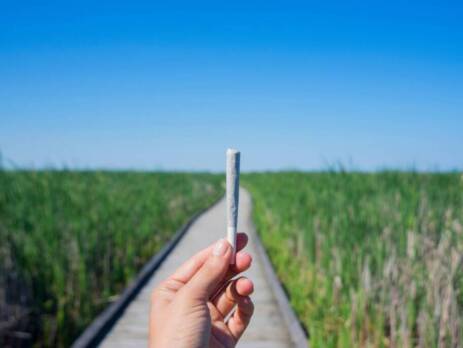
point(293, 85)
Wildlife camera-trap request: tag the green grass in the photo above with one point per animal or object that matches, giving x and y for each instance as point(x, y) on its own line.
point(369, 260)
point(71, 241)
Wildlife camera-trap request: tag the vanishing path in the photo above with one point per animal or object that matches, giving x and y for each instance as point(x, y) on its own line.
point(267, 328)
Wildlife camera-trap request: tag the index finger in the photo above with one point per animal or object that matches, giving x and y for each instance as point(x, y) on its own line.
point(189, 268)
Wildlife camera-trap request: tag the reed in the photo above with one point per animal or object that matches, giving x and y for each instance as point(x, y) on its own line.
point(369, 260)
point(71, 241)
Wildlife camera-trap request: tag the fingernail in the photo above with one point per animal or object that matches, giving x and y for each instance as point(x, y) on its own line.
point(220, 248)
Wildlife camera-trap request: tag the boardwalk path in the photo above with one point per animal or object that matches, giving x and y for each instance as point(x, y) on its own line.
point(267, 328)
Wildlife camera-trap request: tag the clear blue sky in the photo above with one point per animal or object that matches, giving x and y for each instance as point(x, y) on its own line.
point(146, 86)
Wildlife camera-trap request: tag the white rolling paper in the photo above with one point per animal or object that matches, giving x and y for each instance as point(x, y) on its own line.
point(233, 184)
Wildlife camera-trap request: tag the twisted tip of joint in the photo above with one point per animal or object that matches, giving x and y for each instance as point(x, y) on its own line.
point(231, 151)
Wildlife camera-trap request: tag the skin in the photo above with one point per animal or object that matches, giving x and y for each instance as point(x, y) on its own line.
point(200, 305)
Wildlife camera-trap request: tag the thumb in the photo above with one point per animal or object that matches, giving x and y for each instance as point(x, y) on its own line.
point(213, 271)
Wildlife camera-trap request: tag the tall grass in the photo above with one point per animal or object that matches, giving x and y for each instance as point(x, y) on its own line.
point(71, 241)
point(369, 260)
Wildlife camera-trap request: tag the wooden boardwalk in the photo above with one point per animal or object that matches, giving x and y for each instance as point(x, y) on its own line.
point(267, 328)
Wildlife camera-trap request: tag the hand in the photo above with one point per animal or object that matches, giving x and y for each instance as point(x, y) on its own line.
point(190, 309)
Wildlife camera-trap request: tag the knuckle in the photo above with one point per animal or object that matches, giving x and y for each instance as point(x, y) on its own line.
point(159, 290)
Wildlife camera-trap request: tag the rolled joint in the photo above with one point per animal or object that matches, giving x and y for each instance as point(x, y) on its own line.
point(231, 238)
point(232, 185)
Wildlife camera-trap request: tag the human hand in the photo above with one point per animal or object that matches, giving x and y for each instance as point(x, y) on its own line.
point(190, 309)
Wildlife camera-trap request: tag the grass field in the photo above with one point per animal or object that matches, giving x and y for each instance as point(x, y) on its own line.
point(71, 241)
point(369, 260)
